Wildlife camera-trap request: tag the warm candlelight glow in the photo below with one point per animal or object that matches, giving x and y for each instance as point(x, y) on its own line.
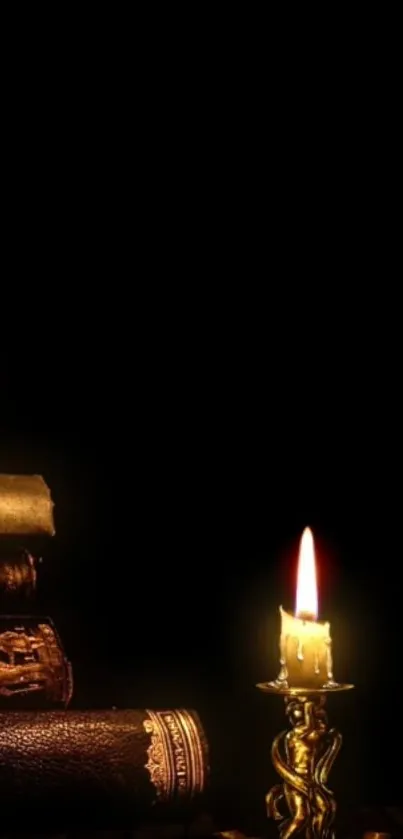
point(304, 755)
point(307, 590)
point(305, 642)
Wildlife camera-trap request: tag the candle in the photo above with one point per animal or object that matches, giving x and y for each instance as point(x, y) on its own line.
point(305, 642)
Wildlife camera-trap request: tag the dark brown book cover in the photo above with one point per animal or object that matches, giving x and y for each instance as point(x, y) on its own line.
point(101, 768)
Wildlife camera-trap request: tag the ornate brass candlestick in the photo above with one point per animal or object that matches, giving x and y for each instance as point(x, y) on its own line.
point(303, 757)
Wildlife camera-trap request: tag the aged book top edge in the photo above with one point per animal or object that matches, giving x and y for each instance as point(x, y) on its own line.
point(26, 506)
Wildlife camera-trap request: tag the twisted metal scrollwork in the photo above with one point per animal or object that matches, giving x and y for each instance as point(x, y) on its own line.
point(303, 757)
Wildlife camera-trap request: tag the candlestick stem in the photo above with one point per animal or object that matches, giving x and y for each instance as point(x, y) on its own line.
point(303, 756)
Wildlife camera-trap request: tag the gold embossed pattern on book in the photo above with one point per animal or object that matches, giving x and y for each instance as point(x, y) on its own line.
point(176, 754)
point(32, 662)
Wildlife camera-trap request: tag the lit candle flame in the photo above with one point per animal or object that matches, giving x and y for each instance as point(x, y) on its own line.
point(307, 590)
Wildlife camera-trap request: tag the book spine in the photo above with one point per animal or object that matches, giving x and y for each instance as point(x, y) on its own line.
point(34, 671)
point(17, 577)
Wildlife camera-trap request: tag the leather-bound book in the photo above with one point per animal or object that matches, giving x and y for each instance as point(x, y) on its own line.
point(34, 671)
point(66, 769)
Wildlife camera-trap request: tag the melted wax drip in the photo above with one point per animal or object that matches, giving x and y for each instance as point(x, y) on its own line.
point(283, 675)
point(282, 679)
point(329, 664)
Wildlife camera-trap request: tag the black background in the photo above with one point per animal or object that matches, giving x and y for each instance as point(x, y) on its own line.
point(201, 354)
point(185, 460)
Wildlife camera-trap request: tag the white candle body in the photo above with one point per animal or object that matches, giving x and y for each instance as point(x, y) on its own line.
point(305, 653)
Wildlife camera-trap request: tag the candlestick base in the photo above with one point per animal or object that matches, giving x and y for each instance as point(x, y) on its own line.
point(303, 757)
